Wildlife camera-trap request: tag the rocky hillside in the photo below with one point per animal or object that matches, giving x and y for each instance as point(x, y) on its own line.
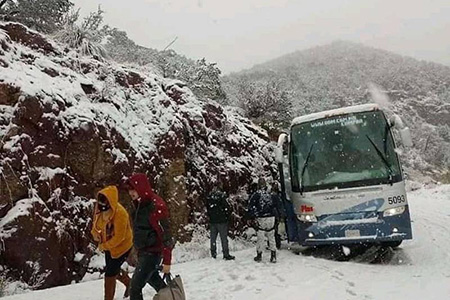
point(341, 74)
point(70, 125)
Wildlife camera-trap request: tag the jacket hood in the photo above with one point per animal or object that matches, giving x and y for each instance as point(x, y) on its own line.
point(112, 194)
point(140, 183)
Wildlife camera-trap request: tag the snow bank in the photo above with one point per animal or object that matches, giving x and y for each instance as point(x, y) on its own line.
point(418, 270)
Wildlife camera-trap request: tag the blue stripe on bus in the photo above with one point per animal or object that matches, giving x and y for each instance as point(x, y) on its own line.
point(373, 227)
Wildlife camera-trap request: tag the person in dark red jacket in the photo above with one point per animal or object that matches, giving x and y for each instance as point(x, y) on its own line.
point(152, 238)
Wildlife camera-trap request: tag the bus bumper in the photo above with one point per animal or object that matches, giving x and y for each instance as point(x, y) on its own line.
point(376, 229)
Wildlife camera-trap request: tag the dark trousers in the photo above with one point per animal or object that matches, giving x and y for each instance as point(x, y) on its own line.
point(113, 265)
point(277, 236)
point(222, 229)
point(146, 272)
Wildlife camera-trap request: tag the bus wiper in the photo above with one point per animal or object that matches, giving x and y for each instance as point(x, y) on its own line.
point(386, 131)
point(383, 158)
point(304, 168)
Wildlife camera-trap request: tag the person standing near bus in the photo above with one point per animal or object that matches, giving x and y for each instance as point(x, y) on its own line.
point(111, 228)
point(219, 212)
point(263, 210)
point(280, 216)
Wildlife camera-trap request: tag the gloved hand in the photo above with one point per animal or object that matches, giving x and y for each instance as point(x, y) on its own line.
point(165, 269)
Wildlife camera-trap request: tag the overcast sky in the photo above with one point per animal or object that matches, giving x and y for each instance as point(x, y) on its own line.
point(238, 34)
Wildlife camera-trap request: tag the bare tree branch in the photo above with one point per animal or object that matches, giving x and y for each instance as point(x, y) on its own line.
point(170, 44)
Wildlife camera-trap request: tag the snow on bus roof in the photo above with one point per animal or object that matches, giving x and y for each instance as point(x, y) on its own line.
point(335, 112)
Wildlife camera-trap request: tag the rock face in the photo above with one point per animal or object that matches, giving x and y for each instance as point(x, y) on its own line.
point(70, 125)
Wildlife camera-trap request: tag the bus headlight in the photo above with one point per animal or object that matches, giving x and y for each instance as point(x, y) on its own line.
point(394, 211)
point(307, 218)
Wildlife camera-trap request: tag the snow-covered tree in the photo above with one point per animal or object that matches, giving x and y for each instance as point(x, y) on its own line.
point(201, 76)
point(44, 15)
point(267, 103)
point(85, 37)
point(122, 49)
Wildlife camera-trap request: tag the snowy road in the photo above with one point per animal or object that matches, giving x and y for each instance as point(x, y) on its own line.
point(421, 269)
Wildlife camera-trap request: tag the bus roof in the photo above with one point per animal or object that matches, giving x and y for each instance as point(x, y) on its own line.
point(335, 112)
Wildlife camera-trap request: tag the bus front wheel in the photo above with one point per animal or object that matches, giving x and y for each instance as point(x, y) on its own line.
point(393, 244)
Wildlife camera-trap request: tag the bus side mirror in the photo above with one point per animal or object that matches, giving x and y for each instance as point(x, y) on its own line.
point(396, 122)
point(282, 139)
point(279, 155)
point(405, 135)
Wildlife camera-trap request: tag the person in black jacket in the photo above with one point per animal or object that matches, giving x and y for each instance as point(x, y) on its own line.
point(219, 212)
point(152, 237)
point(281, 214)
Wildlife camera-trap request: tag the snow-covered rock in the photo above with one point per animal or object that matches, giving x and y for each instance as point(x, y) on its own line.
point(70, 125)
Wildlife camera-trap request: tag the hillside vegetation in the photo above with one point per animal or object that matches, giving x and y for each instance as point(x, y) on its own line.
point(341, 74)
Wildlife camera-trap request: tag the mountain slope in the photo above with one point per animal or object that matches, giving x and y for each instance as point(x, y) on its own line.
point(340, 74)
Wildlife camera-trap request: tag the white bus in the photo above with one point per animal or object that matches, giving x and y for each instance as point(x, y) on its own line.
point(343, 177)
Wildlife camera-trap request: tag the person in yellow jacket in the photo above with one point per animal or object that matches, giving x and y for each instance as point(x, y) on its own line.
point(111, 228)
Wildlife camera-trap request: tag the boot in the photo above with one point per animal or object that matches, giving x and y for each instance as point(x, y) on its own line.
point(123, 277)
point(273, 256)
point(258, 257)
point(110, 287)
point(228, 257)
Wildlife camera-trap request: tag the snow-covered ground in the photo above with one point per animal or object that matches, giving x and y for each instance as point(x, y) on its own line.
point(420, 269)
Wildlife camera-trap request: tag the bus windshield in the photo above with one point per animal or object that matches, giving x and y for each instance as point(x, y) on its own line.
point(344, 151)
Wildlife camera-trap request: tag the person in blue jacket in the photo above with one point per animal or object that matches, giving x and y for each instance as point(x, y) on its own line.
point(263, 209)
